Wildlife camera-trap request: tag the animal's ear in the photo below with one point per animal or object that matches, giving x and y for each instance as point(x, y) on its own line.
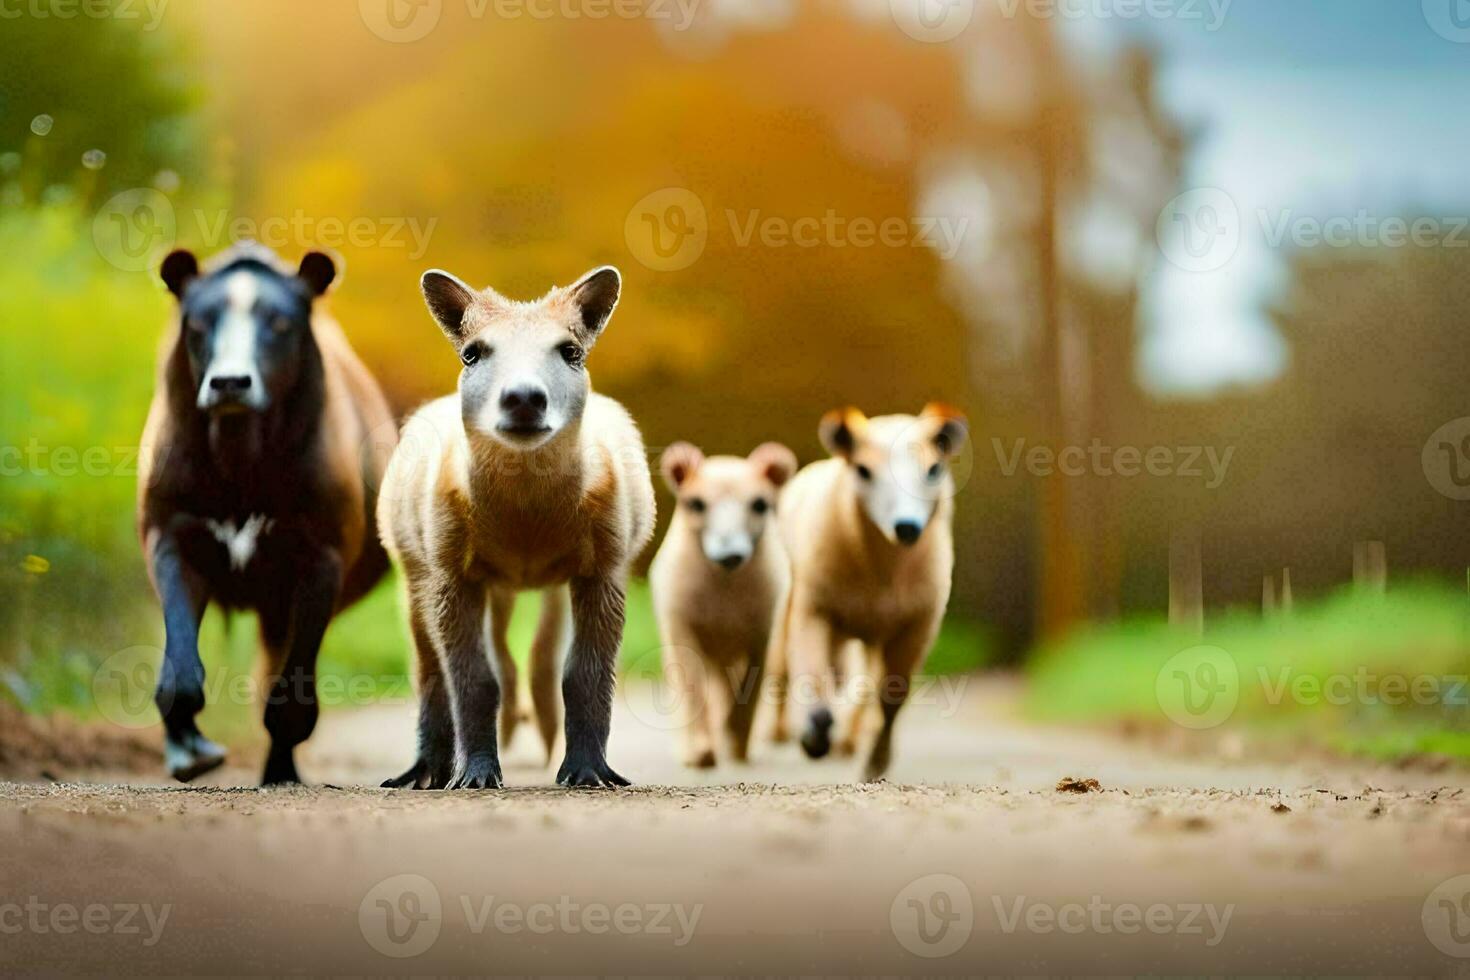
point(953, 428)
point(448, 298)
point(774, 461)
point(840, 430)
point(318, 270)
point(678, 463)
point(179, 268)
point(596, 296)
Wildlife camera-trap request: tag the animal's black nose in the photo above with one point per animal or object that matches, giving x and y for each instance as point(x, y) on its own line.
point(816, 741)
point(230, 384)
point(907, 531)
point(731, 562)
point(523, 401)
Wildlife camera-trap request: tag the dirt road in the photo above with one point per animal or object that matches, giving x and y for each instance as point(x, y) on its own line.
point(968, 860)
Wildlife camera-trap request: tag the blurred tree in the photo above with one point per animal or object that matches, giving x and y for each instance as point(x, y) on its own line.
point(114, 84)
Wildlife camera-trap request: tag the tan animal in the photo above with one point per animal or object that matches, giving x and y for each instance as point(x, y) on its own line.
point(717, 580)
point(868, 533)
point(523, 480)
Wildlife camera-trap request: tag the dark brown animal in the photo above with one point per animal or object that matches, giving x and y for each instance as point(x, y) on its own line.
point(264, 446)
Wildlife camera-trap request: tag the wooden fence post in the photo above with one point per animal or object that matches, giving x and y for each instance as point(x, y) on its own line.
point(1370, 567)
point(1186, 581)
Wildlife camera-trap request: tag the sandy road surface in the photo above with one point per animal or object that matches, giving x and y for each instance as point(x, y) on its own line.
point(1179, 865)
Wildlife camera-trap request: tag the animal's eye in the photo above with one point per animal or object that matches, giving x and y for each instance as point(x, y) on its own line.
point(863, 472)
point(471, 355)
point(572, 353)
point(935, 472)
point(760, 505)
point(696, 505)
point(196, 324)
point(281, 324)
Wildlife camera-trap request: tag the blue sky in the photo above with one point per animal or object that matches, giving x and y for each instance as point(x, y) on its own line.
point(1310, 109)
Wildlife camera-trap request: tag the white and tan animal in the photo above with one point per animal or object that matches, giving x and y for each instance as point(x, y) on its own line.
point(717, 581)
point(523, 480)
point(869, 536)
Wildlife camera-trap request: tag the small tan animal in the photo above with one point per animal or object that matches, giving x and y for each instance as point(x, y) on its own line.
point(868, 532)
point(717, 581)
point(523, 480)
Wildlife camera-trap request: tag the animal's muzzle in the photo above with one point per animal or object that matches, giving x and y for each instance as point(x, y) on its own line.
point(230, 391)
point(907, 532)
point(523, 410)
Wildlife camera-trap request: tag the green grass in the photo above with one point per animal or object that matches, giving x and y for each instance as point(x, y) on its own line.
point(1378, 675)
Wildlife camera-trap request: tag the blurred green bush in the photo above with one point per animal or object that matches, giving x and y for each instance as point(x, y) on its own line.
point(1384, 674)
point(75, 382)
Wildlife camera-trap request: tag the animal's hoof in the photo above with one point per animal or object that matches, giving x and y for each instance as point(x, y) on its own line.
point(590, 774)
point(280, 771)
point(701, 760)
point(816, 741)
point(422, 775)
point(480, 772)
point(191, 755)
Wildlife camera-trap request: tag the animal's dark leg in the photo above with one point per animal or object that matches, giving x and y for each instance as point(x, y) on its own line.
point(587, 684)
point(291, 706)
point(895, 693)
point(180, 692)
point(474, 693)
point(901, 657)
point(435, 765)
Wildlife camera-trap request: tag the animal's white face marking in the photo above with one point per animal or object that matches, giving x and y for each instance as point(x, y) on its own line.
point(524, 379)
point(728, 503)
point(525, 391)
point(241, 541)
point(235, 354)
point(728, 535)
point(899, 475)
